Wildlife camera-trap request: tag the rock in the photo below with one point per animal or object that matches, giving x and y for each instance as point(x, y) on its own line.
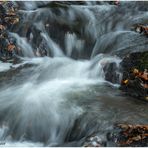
point(13, 60)
point(112, 73)
point(8, 18)
point(94, 141)
point(54, 5)
point(137, 60)
point(142, 29)
point(124, 135)
point(16, 73)
point(135, 78)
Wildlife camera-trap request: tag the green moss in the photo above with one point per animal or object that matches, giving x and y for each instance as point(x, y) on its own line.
point(143, 63)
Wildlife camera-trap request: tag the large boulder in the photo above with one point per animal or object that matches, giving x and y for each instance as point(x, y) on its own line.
point(131, 73)
point(135, 75)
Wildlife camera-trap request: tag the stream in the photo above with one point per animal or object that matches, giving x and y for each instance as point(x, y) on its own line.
point(62, 98)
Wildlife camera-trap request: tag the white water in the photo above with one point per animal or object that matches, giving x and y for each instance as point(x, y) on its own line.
point(41, 106)
point(52, 94)
point(4, 66)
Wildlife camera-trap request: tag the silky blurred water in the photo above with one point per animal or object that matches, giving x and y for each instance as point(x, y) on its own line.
point(40, 105)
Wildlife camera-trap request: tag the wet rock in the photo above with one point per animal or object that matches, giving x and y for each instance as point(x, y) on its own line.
point(17, 74)
point(8, 18)
point(142, 29)
point(135, 78)
point(54, 5)
point(112, 73)
point(13, 60)
point(129, 135)
point(94, 141)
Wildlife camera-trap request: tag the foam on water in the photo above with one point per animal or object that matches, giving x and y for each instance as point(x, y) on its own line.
point(41, 109)
point(4, 66)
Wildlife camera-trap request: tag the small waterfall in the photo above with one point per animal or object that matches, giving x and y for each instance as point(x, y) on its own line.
point(54, 48)
point(43, 98)
point(26, 49)
point(72, 43)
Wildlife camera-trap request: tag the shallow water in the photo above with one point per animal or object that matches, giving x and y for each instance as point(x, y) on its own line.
point(60, 99)
point(45, 112)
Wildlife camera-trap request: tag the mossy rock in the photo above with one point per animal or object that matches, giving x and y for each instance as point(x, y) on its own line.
point(137, 60)
point(135, 86)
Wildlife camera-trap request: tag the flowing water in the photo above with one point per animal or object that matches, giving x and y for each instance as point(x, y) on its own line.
point(62, 98)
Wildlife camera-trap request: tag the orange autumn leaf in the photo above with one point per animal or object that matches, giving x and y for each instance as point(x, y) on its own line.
point(11, 47)
point(125, 81)
point(144, 76)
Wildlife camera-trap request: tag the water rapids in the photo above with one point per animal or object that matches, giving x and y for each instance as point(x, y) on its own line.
point(62, 98)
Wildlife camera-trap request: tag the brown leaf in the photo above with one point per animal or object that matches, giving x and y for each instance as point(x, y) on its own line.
point(11, 47)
